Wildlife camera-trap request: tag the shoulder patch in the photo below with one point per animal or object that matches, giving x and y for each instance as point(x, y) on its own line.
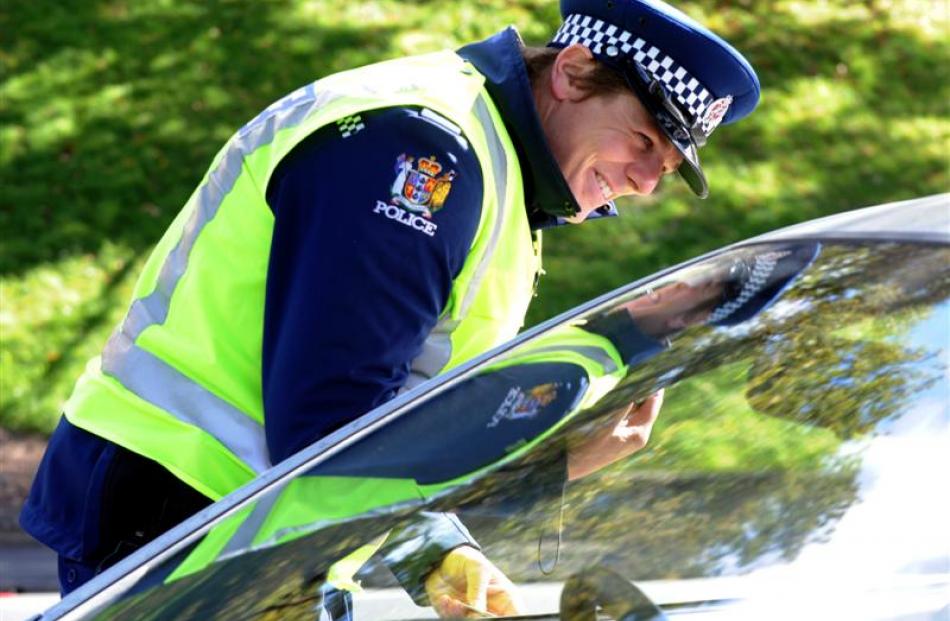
point(419, 190)
point(521, 403)
point(422, 184)
point(350, 125)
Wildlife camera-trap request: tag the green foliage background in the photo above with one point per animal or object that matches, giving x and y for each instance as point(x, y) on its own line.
point(111, 110)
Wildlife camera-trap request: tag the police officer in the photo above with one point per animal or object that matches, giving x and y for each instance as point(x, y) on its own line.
point(356, 238)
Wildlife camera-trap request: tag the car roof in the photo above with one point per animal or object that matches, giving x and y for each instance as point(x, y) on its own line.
point(923, 219)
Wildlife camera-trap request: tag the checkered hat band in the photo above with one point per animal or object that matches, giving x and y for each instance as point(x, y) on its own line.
point(597, 35)
point(761, 271)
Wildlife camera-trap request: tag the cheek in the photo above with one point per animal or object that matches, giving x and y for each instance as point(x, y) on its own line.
point(568, 149)
point(618, 149)
point(573, 147)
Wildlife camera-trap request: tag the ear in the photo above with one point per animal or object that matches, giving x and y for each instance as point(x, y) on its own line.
point(687, 319)
point(572, 62)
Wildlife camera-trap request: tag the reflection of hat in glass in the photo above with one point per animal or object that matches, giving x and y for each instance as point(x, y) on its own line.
point(754, 283)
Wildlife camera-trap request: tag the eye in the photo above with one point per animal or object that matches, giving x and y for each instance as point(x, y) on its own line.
point(645, 140)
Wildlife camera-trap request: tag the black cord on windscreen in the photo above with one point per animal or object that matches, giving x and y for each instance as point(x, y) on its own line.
point(557, 545)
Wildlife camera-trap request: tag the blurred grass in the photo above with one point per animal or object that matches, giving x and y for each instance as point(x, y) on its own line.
point(110, 112)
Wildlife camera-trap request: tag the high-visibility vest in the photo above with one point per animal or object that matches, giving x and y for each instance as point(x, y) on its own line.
point(180, 380)
point(309, 502)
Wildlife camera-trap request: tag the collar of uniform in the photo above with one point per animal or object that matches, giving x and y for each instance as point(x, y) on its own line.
point(499, 59)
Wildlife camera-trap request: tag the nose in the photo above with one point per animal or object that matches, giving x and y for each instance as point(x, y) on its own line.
point(644, 175)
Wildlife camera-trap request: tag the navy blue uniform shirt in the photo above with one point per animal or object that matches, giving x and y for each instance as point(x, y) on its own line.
point(356, 280)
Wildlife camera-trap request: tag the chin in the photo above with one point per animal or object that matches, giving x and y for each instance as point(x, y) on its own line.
point(587, 200)
point(581, 215)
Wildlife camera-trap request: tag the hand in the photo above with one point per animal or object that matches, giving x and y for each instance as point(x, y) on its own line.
point(466, 584)
point(627, 432)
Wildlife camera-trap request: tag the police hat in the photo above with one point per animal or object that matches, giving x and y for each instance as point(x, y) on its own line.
point(756, 281)
point(687, 77)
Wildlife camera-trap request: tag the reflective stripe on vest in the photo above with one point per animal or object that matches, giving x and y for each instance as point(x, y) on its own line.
point(154, 380)
point(596, 354)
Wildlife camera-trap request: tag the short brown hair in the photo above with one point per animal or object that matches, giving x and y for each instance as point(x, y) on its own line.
point(601, 81)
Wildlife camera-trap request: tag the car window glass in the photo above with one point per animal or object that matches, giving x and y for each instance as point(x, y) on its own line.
point(803, 416)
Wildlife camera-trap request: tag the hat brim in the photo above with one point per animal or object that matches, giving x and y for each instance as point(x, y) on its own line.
point(679, 135)
point(690, 169)
point(760, 292)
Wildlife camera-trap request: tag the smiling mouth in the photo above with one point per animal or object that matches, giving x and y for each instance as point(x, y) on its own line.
point(604, 187)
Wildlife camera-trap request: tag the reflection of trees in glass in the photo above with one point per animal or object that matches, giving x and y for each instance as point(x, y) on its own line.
point(836, 364)
point(828, 353)
point(841, 384)
point(656, 526)
point(709, 426)
point(689, 526)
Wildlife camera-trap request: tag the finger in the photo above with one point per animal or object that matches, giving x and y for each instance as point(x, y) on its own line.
point(622, 412)
point(649, 409)
point(476, 578)
point(654, 399)
point(436, 586)
point(447, 607)
point(655, 404)
point(503, 602)
point(504, 598)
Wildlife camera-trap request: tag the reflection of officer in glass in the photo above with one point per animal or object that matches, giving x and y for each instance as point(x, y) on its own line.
point(568, 370)
point(525, 394)
point(486, 419)
point(502, 413)
point(658, 315)
point(743, 290)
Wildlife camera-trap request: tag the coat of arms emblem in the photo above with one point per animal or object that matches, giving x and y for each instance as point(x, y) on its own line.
point(519, 403)
point(421, 185)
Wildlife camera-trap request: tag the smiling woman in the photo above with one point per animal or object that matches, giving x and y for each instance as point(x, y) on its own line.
point(605, 141)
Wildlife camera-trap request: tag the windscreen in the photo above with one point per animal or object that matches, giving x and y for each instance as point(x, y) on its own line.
point(776, 415)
